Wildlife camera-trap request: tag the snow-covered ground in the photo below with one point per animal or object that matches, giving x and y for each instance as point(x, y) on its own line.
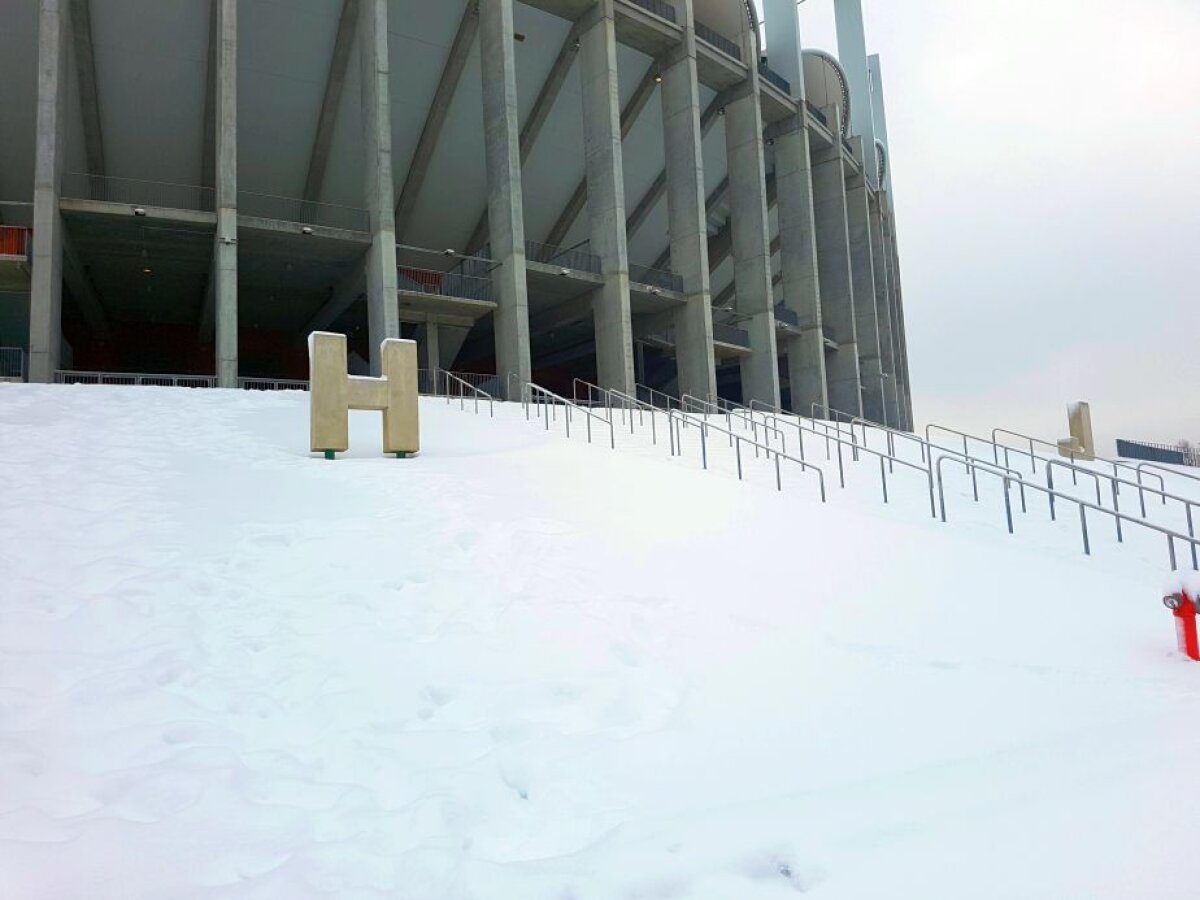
point(521, 666)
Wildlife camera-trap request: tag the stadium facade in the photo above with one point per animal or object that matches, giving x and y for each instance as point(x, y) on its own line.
point(646, 194)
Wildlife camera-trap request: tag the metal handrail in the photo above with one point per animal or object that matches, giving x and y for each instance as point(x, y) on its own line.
point(1083, 505)
point(527, 398)
point(476, 393)
point(607, 395)
point(1162, 468)
point(677, 442)
point(656, 393)
point(1073, 456)
point(1115, 480)
point(888, 460)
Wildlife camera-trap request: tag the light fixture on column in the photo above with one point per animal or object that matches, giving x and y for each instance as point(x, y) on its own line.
point(306, 230)
point(139, 211)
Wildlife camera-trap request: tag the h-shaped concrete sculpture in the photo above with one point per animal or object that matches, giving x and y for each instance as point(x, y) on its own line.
point(1081, 444)
point(333, 393)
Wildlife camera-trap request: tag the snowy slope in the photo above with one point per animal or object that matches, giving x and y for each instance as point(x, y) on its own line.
point(524, 667)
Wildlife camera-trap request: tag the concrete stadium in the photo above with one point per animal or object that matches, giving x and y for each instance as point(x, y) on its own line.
point(652, 195)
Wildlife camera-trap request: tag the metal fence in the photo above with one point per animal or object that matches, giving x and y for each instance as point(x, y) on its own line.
point(772, 77)
point(718, 41)
point(445, 284)
point(1161, 453)
point(656, 278)
point(135, 378)
point(566, 257)
point(304, 212)
point(107, 189)
point(658, 7)
point(271, 384)
point(12, 364)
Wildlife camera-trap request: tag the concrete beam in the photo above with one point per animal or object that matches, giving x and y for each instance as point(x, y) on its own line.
point(45, 297)
point(887, 355)
point(832, 232)
point(751, 245)
point(335, 81)
point(658, 188)
point(605, 125)
point(852, 53)
point(351, 288)
point(546, 98)
point(89, 96)
point(866, 314)
point(629, 116)
point(383, 313)
point(694, 358)
point(225, 249)
point(439, 108)
point(83, 291)
point(506, 216)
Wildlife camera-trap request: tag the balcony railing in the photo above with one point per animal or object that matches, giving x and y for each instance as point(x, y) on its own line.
point(658, 7)
point(772, 77)
point(12, 364)
point(107, 189)
point(718, 41)
point(730, 334)
point(445, 284)
point(271, 384)
point(817, 114)
point(656, 278)
point(786, 316)
point(304, 212)
point(14, 242)
point(567, 258)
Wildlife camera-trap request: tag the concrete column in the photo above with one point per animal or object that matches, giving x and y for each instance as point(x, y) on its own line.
point(506, 216)
point(866, 316)
point(225, 248)
point(852, 53)
point(887, 360)
point(433, 347)
point(833, 267)
point(686, 211)
point(901, 330)
point(751, 244)
point(794, 202)
point(798, 255)
point(383, 310)
point(45, 296)
point(606, 197)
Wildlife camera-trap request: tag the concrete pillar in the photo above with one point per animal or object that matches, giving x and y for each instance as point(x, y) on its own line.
point(687, 215)
point(383, 310)
point(506, 217)
point(794, 203)
point(606, 196)
point(45, 296)
point(863, 281)
point(751, 244)
point(433, 347)
point(887, 354)
point(833, 267)
point(225, 248)
point(852, 53)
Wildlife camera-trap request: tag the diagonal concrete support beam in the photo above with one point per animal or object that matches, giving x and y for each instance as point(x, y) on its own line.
point(335, 81)
point(718, 195)
point(538, 115)
point(658, 189)
point(82, 289)
point(351, 288)
point(629, 116)
point(89, 96)
point(452, 71)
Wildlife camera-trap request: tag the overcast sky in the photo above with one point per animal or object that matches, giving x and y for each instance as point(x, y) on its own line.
point(1046, 157)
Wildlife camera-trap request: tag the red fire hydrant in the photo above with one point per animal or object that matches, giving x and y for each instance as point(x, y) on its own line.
point(1184, 607)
